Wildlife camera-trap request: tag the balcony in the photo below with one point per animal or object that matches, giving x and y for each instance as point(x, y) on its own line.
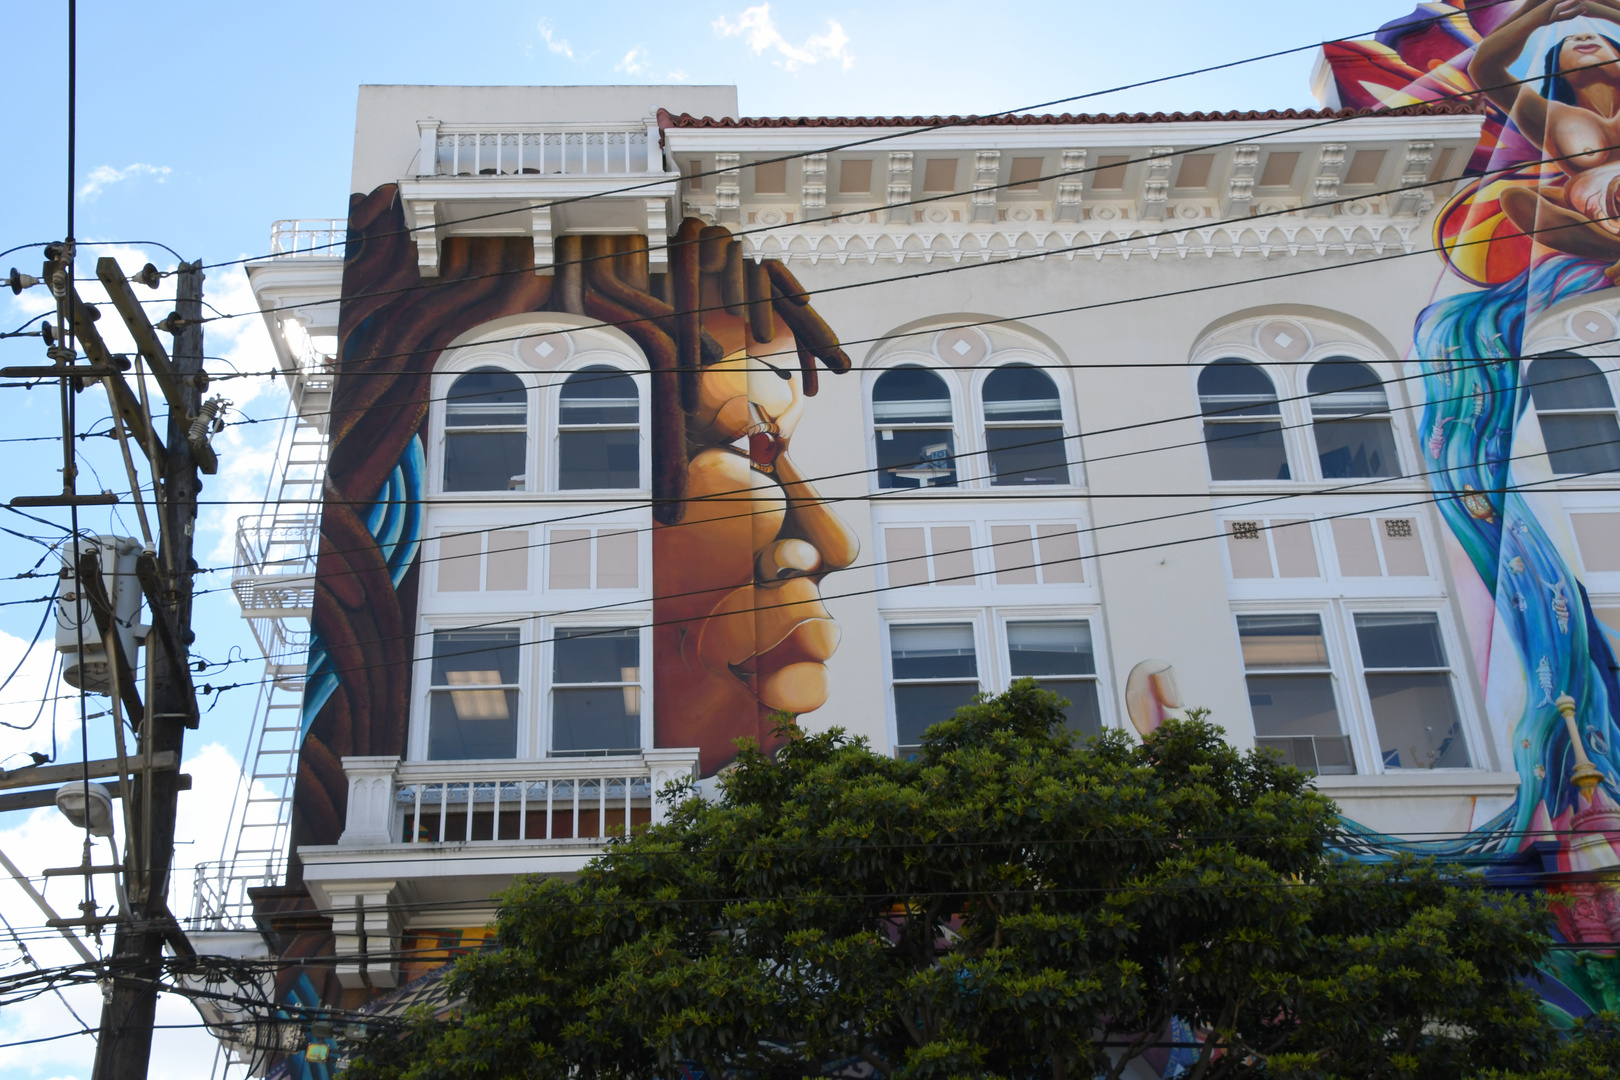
point(539, 180)
point(308, 238)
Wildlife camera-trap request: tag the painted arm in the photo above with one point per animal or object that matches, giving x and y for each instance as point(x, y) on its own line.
point(1493, 57)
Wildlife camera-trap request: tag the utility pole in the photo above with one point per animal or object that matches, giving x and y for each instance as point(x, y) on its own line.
point(124, 1048)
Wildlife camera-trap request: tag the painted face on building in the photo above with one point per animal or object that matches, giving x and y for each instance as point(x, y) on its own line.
point(742, 632)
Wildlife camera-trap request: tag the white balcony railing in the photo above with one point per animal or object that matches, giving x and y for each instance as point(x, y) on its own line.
point(309, 237)
point(558, 800)
point(607, 150)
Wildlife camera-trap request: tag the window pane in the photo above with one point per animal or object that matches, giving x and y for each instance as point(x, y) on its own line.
point(910, 395)
point(1568, 382)
point(1293, 705)
point(1400, 641)
point(1236, 388)
point(466, 724)
point(1348, 448)
point(1020, 392)
point(1582, 443)
point(1050, 648)
point(1417, 721)
point(1083, 712)
point(916, 457)
point(919, 707)
point(1340, 387)
point(588, 721)
point(491, 654)
point(1282, 641)
point(487, 397)
point(587, 656)
point(933, 652)
point(1328, 754)
point(485, 461)
point(1027, 455)
point(1246, 451)
point(598, 459)
point(598, 395)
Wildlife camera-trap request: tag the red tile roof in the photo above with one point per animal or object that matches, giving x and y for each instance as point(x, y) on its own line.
point(666, 119)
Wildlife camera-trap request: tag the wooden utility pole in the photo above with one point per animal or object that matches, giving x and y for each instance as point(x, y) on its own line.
point(124, 1048)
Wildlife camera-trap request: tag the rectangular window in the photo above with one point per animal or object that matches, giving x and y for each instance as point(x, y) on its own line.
point(1409, 685)
point(596, 692)
point(935, 672)
point(1291, 692)
point(473, 695)
point(485, 460)
point(1059, 654)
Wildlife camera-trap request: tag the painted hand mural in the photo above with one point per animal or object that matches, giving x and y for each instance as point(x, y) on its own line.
point(1534, 223)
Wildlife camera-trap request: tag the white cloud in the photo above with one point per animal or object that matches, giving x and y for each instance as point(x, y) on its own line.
point(759, 30)
point(634, 62)
point(102, 176)
point(556, 44)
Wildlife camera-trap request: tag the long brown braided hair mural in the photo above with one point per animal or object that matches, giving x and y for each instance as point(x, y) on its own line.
point(741, 538)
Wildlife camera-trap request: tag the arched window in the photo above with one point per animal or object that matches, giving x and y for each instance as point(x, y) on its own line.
point(599, 430)
point(1242, 424)
point(1350, 414)
point(1576, 411)
point(1023, 427)
point(486, 438)
point(916, 444)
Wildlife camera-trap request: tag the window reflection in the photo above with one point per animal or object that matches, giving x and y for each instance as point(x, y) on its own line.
point(916, 444)
point(1242, 423)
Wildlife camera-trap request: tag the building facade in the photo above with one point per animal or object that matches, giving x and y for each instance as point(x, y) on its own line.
point(648, 422)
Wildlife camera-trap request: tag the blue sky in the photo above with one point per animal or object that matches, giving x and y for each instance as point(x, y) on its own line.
point(200, 124)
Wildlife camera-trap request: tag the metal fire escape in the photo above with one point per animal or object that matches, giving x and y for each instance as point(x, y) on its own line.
point(274, 581)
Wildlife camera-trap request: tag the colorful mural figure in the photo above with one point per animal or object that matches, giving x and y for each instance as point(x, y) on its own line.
point(741, 537)
point(1535, 223)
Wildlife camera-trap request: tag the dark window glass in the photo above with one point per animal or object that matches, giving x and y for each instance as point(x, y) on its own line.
point(1022, 450)
point(486, 441)
point(1056, 653)
point(599, 441)
point(596, 692)
point(916, 446)
point(942, 654)
point(1576, 412)
point(473, 699)
point(1350, 416)
point(1291, 692)
point(1414, 710)
point(1242, 440)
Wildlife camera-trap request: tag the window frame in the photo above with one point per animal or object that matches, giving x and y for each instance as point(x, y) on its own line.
point(1467, 721)
point(554, 426)
point(1305, 404)
point(982, 478)
point(965, 473)
point(1325, 618)
point(972, 617)
point(1609, 378)
point(478, 358)
point(417, 743)
point(545, 721)
point(1091, 615)
point(1286, 419)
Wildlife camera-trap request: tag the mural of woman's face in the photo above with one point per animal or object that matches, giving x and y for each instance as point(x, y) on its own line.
point(1588, 50)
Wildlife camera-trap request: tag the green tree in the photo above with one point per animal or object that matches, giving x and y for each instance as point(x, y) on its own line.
point(1012, 903)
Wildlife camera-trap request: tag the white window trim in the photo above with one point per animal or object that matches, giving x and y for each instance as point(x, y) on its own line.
point(1395, 399)
point(1091, 614)
point(1293, 445)
point(421, 703)
point(1338, 659)
point(981, 641)
point(966, 467)
point(1478, 751)
point(1072, 452)
point(552, 463)
point(465, 361)
point(548, 625)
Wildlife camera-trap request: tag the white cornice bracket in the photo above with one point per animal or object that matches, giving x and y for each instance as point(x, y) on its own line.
point(1415, 200)
point(899, 186)
point(1240, 183)
point(728, 189)
point(986, 171)
point(1070, 187)
point(813, 193)
point(540, 223)
point(424, 218)
point(1325, 189)
point(1156, 184)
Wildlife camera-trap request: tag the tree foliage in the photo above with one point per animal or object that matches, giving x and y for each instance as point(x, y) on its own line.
point(1011, 903)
